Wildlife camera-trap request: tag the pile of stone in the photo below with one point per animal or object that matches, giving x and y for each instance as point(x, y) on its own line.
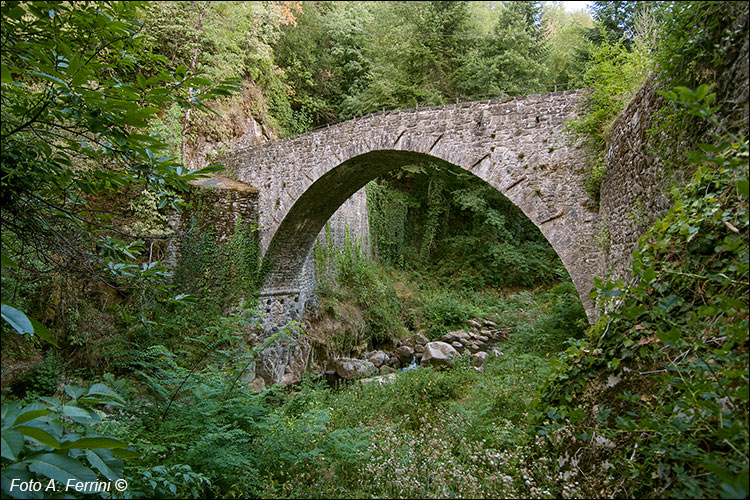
point(478, 342)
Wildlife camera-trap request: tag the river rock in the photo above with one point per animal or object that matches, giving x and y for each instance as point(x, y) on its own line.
point(258, 384)
point(420, 339)
point(456, 345)
point(418, 349)
point(385, 369)
point(350, 368)
point(408, 343)
point(438, 354)
point(404, 354)
point(478, 359)
point(378, 358)
point(289, 379)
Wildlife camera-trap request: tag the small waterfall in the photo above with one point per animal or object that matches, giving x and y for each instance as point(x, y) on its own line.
point(412, 365)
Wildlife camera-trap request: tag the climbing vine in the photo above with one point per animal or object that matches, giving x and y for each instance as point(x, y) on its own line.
point(667, 364)
point(228, 271)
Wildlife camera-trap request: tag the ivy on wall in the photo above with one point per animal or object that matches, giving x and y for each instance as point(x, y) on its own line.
point(228, 270)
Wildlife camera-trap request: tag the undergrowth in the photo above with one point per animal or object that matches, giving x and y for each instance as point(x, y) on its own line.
point(654, 401)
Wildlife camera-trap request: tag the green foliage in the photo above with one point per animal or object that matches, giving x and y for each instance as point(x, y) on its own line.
point(673, 342)
point(464, 229)
point(568, 48)
point(80, 89)
point(58, 439)
point(42, 379)
point(387, 211)
point(697, 39)
point(615, 75)
point(347, 276)
point(564, 319)
point(223, 273)
point(512, 60)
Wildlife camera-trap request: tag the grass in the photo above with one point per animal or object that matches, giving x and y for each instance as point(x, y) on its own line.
point(430, 433)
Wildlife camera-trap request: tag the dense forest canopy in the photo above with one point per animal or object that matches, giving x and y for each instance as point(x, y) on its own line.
point(116, 366)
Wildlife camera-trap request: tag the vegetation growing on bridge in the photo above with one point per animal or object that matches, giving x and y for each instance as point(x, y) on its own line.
point(114, 366)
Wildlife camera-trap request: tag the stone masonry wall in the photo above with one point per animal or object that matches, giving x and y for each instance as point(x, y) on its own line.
point(635, 191)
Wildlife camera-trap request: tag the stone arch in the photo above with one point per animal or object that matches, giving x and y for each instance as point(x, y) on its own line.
point(517, 145)
point(304, 221)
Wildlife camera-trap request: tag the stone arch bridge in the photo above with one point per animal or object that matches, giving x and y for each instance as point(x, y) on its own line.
point(518, 145)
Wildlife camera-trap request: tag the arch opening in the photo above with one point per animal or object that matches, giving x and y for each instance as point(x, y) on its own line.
point(297, 232)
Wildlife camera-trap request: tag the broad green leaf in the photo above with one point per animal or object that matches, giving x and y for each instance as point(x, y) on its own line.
point(74, 391)
point(27, 415)
point(8, 262)
point(6, 75)
point(106, 463)
point(60, 468)
point(743, 187)
point(39, 435)
point(701, 91)
point(669, 338)
point(91, 443)
point(139, 117)
point(103, 390)
point(50, 78)
point(76, 414)
point(9, 412)
point(42, 331)
point(125, 453)
point(12, 443)
point(18, 320)
point(17, 471)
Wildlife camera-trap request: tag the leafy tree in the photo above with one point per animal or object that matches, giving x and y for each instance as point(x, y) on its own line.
point(79, 90)
point(323, 58)
point(617, 21)
point(415, 53)
point(510, 61)
point(569, 49)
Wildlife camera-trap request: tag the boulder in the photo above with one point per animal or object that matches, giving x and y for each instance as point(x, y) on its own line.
point(404, 354)
point(385, 369)
point(478, 359)
point(438, 354)
point(418, 349)
point(490, 324)
point(456, 345)
point(378, 358)
point(461, 335)
point(448, 337)
point(289, 379)
point(410, 343)
point(350, 368)
point(420, 339)
point(474, 324)
point(258, 384)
